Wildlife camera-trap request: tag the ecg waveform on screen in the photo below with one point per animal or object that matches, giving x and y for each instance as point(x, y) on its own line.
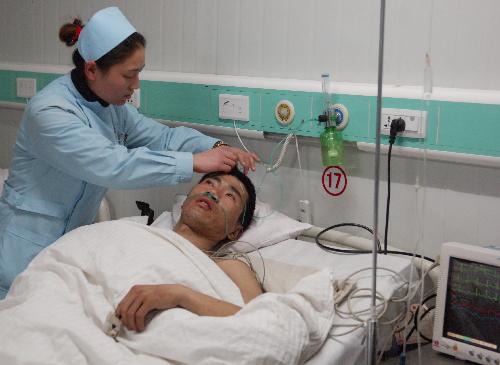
point(484, 293)
point(475, 281)
point(471, 269)
point(479, 312)
point(472, 304)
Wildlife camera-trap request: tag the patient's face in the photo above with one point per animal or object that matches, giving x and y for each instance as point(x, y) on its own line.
point(206, 216)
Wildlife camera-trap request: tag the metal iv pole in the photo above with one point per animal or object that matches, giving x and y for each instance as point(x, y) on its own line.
point(371, 345)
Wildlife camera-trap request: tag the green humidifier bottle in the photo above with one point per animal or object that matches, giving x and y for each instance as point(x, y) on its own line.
point(332, 146)
point(332, 149)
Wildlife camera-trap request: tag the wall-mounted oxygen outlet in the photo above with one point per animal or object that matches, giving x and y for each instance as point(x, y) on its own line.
point(234, 107)
point(415, 122)
point(305, 213)
point(135, 99)
point(25, 87)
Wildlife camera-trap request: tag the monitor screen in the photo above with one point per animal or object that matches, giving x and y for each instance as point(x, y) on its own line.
point(472, 310)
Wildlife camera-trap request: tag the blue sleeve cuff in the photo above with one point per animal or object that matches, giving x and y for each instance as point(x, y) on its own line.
point(210, 143)
point(184, 168)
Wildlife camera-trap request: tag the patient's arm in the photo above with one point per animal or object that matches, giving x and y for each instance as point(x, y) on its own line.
point(243, 277)
point(142, 299)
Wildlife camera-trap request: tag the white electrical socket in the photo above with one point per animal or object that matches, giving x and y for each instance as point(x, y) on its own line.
point(234, 107)
point(305, 213)
point(135, 99)
point(25, 87)
point(415, 122)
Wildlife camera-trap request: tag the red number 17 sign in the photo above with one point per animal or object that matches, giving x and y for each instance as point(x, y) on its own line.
point(334, 180)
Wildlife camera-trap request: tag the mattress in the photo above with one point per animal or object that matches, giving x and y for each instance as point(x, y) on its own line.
point(349, 348)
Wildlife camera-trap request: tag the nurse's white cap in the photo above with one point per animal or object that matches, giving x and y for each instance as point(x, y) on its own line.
point(104, 31)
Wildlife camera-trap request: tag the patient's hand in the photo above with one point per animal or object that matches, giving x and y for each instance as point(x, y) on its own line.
point(142, 299)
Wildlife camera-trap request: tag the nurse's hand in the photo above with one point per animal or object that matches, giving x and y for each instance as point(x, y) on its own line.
point(223, 158)
point(246, 159)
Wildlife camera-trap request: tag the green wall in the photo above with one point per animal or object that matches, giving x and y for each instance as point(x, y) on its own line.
point(451, 126)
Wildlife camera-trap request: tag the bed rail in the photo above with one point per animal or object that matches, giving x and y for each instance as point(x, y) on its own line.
point(360, 243)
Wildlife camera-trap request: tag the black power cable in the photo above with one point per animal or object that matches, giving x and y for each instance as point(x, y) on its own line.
point(328, 248)
point(421, 317)
point(388, 204)
point(397, 125)
point(354, 251)
point(416, 320)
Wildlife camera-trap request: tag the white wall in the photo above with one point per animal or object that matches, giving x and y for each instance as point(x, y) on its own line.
point(451, 202)
point(282, 38)
point(9, 123)
point(300, 39)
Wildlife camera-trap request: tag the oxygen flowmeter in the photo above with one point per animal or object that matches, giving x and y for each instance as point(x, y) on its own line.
point(335, 117)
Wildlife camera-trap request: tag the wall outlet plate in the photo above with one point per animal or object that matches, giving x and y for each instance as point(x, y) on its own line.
point(415, 122)
point(234, 107)
point(25, 87)
point(305, 211)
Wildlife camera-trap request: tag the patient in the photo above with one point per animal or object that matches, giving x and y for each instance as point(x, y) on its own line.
point(218, 209)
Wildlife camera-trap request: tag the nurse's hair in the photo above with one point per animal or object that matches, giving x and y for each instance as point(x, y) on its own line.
point(69, 32)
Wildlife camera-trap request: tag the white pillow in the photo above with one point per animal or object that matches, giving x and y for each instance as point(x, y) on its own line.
point(142, 219)
point(262, 231)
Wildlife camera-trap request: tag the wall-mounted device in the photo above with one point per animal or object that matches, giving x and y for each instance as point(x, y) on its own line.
point(284, 112)
point(234, 107)
point(335, 117)
point(25, 87)
point(415, 122)
point(467, 314)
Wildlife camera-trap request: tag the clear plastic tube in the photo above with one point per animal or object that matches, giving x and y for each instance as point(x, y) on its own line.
point(213, 197)
point(325, 89)
point(427, 77)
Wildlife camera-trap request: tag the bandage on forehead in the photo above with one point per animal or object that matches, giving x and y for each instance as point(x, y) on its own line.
point(104, 31)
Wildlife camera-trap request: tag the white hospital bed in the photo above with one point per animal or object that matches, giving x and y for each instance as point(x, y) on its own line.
point(286, 261)
point(349, 348)
point(302, 253)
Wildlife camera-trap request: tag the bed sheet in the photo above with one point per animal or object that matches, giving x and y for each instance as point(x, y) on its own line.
point(347, 349)
point(59, 308)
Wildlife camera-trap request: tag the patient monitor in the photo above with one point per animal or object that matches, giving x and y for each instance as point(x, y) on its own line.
point(467, 322)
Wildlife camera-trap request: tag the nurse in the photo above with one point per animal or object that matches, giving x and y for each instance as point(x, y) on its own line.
point(78, 137)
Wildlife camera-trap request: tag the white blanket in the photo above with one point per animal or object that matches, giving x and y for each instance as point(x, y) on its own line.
point(56, 310)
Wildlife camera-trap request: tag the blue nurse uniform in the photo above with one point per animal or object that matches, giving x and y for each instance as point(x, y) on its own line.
point(68, 151)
